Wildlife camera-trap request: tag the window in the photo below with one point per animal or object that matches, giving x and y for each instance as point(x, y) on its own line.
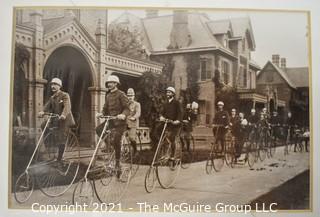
point(243, 44)
point(226, 72)
point(245, 77)
point(205, 69)
point(225, 43)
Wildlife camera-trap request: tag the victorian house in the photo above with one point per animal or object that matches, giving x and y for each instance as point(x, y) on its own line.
point(287, 88)
point(196, 49)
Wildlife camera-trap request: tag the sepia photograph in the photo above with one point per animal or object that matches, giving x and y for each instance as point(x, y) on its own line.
point(160, 110)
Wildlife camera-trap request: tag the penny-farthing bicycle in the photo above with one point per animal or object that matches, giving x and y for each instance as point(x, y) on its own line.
point(216, 156)
point(103, 177)
point(51, 175)
point(166, 162)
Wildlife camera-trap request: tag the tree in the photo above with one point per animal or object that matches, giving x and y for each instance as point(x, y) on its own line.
point(225, 93)
point(151, 94)
point(126, 41)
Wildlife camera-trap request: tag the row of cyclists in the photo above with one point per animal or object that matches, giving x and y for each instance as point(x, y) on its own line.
point(127, 112)
point(283, 129)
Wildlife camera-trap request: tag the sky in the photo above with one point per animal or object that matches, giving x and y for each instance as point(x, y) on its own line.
point(275, 32)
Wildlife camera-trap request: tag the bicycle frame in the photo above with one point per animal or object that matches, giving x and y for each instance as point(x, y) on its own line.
point(51, 115)
point(159, 143)
point(108, 118)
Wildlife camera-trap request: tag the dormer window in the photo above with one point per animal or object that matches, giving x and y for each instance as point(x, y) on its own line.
point(226, 43)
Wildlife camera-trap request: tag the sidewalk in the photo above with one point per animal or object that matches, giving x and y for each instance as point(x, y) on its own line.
point(238, 185)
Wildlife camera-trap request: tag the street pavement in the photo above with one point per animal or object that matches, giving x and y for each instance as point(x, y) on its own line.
point(238, 185)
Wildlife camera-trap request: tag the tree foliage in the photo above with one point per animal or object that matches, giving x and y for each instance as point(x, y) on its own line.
point(225, 93)
point(126, 41)
point(193, 65)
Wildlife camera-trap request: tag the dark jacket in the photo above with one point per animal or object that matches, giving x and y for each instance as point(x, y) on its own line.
point(253, 119)
point(221, 118)
point(116, 103)
point(172, 110)
point(60, 104)
point(189, 116)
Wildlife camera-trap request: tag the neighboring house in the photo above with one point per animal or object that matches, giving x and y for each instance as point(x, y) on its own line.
point(287, 88)
point(194, 47)
point(71, 45)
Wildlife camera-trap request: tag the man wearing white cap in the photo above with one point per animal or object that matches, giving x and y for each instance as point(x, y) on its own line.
point(172, 111)
point(59, 103)
point(221, 118)
point(116, 104)
point(133, 118)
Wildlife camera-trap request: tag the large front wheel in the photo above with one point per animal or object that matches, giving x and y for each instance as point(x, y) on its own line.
point(113, 179)
point(188, 153)
point(229, 153)
point(83, 193)
point(169, 163)
point(251, 154)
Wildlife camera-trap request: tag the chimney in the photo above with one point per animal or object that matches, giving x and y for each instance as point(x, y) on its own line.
point(180, 35)
point(276, 59)
point(152, 13)
point(283, 62)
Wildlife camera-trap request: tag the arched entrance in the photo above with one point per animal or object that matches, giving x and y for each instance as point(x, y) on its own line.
point(70, 65)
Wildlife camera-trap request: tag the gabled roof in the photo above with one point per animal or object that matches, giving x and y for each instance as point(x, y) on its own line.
point(220, 27)
point(242, 27)
point(281, 73)
point(54, 23)
point(158, 30)
point(298, 75)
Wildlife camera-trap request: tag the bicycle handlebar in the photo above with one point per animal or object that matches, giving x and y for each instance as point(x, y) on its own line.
point(217, 125)
point(53, 115)
point(108, 117)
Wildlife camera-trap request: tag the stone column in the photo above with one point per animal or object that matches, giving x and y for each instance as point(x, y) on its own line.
point(97, 102)
point(36, 81)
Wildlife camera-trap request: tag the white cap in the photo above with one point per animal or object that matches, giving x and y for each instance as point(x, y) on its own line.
point(56, 81)
point(171, 89)
point(113, 78)
point(253, 110)
point(130, 92)
point(194, 105)
point(220, 103)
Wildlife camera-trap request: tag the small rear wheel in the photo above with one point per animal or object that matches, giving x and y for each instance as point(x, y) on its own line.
point(23, 187)
point(150, 180)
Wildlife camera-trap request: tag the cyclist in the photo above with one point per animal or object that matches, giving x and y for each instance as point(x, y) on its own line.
point(188, 118)
point(252, 125)
point(172, 111)
point(266, 114)
point(221, 118)
point(242, 134)
point(235, 125)
point(133, 118)
point(290, 127)
point(59, 103)
point(116, 104)
point(276, 125)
